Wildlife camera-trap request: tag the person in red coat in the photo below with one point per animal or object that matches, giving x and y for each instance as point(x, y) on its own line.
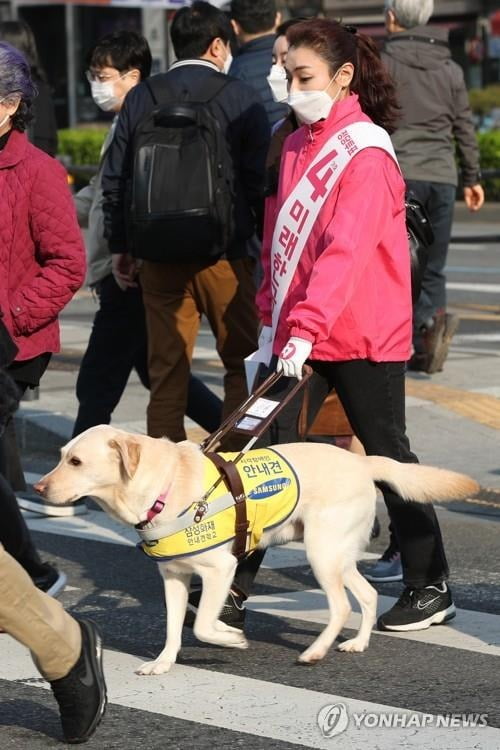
point(42, 265)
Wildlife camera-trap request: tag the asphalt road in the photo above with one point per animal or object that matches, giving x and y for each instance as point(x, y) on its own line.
point(261, 698)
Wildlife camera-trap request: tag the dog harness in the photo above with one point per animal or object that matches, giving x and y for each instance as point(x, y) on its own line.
point(272, 492)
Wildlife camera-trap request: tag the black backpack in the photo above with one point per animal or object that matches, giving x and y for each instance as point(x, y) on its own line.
point(182, 186)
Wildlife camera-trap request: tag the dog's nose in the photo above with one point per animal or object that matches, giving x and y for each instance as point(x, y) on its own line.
point(40, 487)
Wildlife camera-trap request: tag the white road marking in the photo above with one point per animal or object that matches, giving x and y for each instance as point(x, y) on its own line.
point(256, 707)
point(460, 286)
point(470, 630)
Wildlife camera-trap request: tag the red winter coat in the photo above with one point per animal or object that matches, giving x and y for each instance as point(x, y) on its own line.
point(42, 257)
point(350, 295)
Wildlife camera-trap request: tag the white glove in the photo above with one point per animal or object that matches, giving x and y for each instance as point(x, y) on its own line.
point(293, 356)
point(266, 336)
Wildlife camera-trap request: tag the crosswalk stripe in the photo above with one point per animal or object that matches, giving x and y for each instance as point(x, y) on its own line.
point(470, 631)
point(99, 527)
point(460, 286)
point(246, 705)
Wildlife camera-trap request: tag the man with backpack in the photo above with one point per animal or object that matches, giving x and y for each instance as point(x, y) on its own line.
point(182, 185)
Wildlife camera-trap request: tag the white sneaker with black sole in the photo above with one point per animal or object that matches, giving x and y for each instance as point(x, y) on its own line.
point(418, 609)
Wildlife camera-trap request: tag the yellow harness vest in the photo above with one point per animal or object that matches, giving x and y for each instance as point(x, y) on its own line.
point(272, 491)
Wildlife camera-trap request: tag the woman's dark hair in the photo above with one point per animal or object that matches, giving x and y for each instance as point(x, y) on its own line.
point(337, 45)
point(16, 81)
point(254, 16)
point(123, 50)
point(194, 28)
point(20, 35)
point(282, 29)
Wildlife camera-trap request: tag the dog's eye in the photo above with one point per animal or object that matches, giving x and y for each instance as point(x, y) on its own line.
point(75, 461)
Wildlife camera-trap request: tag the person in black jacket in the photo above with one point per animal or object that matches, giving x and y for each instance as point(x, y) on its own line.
point(43, 131)
point(255, 22)
point(177, 294)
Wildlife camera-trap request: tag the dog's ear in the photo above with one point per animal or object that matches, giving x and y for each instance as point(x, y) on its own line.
point(129, 452)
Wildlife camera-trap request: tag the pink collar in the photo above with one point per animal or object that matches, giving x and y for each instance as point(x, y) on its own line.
point(155, 509)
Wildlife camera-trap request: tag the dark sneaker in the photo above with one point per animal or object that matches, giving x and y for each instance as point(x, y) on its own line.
point(81, 695)
point(387, 568)
point(233, 612)
point(417, 609)
point(37, 504)
point(52, 581)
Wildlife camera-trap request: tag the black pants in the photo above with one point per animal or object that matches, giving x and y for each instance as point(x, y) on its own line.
point(118, 345)
point(373, 396)
point(14, 533)
point(439, 201)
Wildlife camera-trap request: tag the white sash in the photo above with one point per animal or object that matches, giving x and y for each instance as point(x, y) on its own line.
point(300, 211)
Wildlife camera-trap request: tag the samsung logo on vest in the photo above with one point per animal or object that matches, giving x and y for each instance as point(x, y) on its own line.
point(267, 489)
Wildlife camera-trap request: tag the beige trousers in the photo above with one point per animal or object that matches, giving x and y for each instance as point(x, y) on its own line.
point(37, 621)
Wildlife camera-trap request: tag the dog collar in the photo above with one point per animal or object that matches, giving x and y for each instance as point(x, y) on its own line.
point(155, 509)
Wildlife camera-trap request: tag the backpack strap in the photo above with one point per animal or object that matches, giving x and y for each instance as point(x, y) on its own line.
point(163, 92)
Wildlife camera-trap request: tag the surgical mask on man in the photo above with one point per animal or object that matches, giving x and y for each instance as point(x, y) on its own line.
point(227, 63)
point(278, 82)
point(104, 95)
point(312, 106)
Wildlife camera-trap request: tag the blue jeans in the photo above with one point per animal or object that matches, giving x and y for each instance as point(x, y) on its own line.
point(439, 201)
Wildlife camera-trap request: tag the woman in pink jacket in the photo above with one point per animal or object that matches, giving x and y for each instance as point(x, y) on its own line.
point(337, 290)
point(42, 264)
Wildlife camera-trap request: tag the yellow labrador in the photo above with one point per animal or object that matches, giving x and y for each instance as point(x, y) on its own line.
point(335, 511)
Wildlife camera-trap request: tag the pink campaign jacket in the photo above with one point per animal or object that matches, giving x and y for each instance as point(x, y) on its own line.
point(351, 292)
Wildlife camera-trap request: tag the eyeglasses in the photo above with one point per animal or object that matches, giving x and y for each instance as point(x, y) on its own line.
point(102, 78)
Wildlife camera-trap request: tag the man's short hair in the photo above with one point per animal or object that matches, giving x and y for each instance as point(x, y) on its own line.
point(123, 50)
point(254, 16)
point(194, 28)
point(411, 13)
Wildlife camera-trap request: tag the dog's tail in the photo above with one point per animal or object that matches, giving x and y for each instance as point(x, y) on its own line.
point(423, 484)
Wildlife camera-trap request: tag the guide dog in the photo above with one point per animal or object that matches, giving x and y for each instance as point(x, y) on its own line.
point(334, 514)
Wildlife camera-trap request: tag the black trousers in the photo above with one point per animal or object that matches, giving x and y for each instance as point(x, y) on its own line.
point(439, 200)
point(14, 534)
point(118, 345)
point(373, 396)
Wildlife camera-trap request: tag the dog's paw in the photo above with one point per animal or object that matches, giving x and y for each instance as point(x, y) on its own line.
point(237, 640)
point(354, 645)
point(158, 666)
point(312, 654)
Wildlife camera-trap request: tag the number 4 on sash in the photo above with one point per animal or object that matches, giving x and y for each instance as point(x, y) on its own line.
point(318, 182)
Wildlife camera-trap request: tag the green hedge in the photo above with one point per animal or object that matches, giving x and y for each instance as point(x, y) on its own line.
point(482, 101)
point(81, 146)
point(489, 146)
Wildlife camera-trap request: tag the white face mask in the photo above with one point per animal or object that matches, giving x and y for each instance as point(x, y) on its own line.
point(312, 106)
point(278, 83)
point(227, 63)
point(104, 95)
